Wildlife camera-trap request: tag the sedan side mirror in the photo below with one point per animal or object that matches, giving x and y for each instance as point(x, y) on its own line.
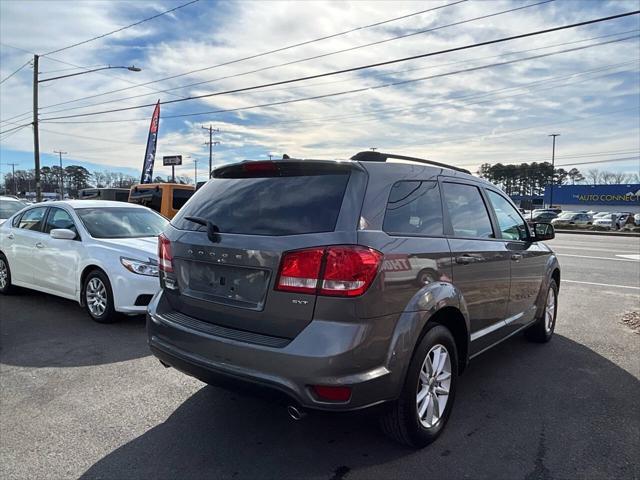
point(63, 234)
point(543, 231)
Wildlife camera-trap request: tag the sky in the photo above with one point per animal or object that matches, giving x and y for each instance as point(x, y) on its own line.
point(459, 107)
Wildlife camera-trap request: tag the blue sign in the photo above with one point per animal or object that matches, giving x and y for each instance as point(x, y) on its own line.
point(613, 195)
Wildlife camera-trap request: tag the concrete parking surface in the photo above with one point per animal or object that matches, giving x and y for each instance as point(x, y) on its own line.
point(80, 399)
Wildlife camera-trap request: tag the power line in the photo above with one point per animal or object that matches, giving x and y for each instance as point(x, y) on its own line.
point(15, 128)
point(16, 71)
point(361, 67)
point(292, 62)
point(381, 75)
point(28, 113)
point(317, 97)
point(121, 28)
point(13, 132)
point(250, 57)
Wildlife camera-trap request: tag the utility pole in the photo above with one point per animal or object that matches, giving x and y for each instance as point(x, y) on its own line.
point(13, 176)
point(61, 179)
point(553, 165)
point(195, 172)
point(36, 134)
point(211, 143)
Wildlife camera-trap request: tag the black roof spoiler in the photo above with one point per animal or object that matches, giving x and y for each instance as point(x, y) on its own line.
point(371, 156)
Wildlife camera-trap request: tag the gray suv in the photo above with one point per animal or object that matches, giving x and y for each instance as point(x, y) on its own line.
point(349, 284)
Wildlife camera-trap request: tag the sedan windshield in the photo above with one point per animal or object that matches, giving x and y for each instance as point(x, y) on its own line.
point(566, 216)
point(9, 207)
point(121, 222)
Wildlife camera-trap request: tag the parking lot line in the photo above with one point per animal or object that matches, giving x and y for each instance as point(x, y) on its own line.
point(597, 258)
point(600, 284)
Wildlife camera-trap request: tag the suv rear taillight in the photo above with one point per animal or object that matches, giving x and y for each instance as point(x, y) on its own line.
point(342, 270)
point(165, 259)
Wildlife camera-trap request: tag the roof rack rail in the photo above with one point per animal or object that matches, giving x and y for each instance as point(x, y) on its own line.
point(371, 156)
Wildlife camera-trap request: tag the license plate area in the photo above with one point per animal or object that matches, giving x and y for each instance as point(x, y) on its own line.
point(238, 286)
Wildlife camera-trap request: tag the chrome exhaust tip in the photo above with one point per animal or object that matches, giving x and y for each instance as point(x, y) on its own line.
point(296, 413)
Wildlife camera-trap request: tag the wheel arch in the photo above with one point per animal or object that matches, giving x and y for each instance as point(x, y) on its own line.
point(83, 276)
point(439, 303)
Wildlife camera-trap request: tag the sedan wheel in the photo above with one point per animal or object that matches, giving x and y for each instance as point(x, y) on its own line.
point(4, 274)
point(96, 297)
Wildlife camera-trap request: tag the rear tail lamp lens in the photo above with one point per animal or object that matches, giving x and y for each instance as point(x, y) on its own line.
point(165, 258)
point(332, 394)
point(343, 270)
point(300, 270)
point(349, 270)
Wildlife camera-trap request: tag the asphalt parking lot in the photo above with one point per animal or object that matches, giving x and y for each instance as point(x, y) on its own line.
point(79, 399)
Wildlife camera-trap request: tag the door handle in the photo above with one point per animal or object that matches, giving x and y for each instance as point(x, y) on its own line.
point(10, 236)
point(39, 245)
point(516, 257)
point(465, 259)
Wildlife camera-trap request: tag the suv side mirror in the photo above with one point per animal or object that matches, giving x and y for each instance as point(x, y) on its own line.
point(543, 231)
point(63, 234)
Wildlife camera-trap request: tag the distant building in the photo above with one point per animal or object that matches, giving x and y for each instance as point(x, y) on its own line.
point(607, 198)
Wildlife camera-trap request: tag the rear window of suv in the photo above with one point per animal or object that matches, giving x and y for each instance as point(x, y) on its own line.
point(271, 205)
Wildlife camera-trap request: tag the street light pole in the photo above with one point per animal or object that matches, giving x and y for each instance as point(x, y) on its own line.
point(553, 166)
point(36, 132)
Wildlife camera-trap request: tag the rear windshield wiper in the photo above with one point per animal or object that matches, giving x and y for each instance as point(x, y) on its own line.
point(212, 229)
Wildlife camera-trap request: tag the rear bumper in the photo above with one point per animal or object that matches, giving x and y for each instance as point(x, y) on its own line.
point(324, 353)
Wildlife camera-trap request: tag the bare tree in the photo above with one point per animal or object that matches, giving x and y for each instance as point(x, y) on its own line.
point(621, 177)
point(593, 176)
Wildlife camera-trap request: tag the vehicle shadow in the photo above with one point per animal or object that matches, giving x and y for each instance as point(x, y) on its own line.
point(523, 411)
point(40, 330)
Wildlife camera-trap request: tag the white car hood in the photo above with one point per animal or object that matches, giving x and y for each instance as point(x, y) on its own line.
point(142, 246)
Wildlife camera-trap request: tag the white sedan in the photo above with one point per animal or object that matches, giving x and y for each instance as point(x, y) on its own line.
point(101, 254)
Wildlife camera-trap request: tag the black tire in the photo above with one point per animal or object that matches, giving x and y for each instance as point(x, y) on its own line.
point(401, 421)
point(540, 331)
point(7, 288)
point(108, 315)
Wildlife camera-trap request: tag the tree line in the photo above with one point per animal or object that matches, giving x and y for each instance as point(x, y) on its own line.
point(74, 178)
point(530, 179)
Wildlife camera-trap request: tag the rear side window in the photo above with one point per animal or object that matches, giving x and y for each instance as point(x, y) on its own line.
point(286, 205)
point(414, 208)
point(467, 211)
point(32, 219)
point(149, 197)
point(180, 197)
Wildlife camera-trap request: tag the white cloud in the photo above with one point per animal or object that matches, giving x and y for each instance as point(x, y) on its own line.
point(444, 126)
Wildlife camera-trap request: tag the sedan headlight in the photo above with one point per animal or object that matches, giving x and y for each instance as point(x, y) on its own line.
point(149, 268)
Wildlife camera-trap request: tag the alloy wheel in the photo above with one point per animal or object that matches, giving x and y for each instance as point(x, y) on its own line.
point(4, 274)
point(550, 310)
point(434, 384)
point(96, 297)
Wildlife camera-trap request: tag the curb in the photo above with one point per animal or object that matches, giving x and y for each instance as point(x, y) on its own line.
point(592, 232)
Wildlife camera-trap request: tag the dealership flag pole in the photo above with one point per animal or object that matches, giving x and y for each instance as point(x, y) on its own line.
point(150, 152)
